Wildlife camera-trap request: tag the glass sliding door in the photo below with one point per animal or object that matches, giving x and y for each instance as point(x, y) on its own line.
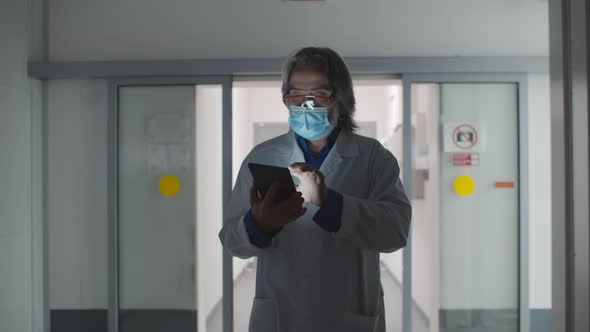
point(465, 229)
point(479, 208)
point(169, 208)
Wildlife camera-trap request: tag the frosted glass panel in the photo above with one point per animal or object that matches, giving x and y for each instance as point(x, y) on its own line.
point(479, 208)
point(157, 208)
point(465, 207)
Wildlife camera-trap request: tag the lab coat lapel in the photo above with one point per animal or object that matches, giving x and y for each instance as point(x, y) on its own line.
point(331, 163)
point(296, 153)
point(345, 146)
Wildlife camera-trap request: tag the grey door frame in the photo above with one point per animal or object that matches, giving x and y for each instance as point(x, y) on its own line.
point(113, 171)
point(228, 67)
point(569, 31)
point(521, 80)
point(407, 80)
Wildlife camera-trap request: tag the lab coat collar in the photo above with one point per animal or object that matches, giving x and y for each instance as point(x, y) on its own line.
point(346, 146)
point(296, 153)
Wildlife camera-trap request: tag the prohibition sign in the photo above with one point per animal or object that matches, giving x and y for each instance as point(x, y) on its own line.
point(465, 136)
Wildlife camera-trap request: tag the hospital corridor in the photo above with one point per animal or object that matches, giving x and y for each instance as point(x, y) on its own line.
point(432, 158)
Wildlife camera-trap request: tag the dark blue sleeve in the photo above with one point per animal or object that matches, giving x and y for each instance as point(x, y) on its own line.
point(329, 216)
point(258, 237)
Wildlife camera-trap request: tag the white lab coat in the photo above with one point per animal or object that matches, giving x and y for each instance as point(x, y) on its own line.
point(311, 280)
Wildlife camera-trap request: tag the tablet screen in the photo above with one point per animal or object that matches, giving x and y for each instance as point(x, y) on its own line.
point(265, 175)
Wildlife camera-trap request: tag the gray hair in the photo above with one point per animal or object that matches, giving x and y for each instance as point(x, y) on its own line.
point(338, 77)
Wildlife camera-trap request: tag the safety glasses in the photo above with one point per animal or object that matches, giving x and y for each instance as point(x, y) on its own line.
point(308, 101)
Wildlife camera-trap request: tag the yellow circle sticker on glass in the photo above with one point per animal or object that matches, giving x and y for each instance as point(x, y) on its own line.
point(464, 185)
point(169, 185)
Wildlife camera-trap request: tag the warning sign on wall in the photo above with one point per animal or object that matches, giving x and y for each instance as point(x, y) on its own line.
point(466, 159)
point(463, 137)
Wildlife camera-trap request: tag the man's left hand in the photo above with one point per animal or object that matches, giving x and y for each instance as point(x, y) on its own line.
point(311, 183)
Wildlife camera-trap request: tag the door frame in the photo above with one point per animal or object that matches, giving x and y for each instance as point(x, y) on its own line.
point(113, 172)
point(521, 81)
point(519, 78)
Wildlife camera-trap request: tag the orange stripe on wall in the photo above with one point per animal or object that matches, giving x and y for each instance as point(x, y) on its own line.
point(504, 184)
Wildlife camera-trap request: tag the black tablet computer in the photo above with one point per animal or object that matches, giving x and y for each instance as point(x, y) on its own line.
point(265, 175)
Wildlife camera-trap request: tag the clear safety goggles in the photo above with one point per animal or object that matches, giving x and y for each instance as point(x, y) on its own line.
point(308, 101)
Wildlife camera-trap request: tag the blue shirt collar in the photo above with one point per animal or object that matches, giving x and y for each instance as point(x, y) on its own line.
point(331, 141)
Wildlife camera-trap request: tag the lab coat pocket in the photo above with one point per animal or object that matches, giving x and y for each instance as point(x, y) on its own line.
point(263, 317)
point(359, 323)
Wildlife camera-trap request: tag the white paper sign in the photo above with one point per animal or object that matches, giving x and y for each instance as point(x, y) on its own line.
point(168, 158)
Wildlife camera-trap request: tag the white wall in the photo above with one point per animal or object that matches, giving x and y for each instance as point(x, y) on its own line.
point(539, 128)
point(209, 198)
point(21, 230)
point(77, 204)
point(175, 29)
point(426, 211)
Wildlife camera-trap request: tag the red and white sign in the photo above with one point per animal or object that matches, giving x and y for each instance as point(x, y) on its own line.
point(463, 137)
point(466, 159)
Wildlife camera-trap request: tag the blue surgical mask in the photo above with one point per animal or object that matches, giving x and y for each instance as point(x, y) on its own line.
point(310, 123)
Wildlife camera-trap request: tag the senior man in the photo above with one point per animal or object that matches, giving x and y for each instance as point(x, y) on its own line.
point(318, 251)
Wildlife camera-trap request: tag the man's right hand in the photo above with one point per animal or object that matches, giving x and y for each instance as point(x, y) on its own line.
point(269, 216)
